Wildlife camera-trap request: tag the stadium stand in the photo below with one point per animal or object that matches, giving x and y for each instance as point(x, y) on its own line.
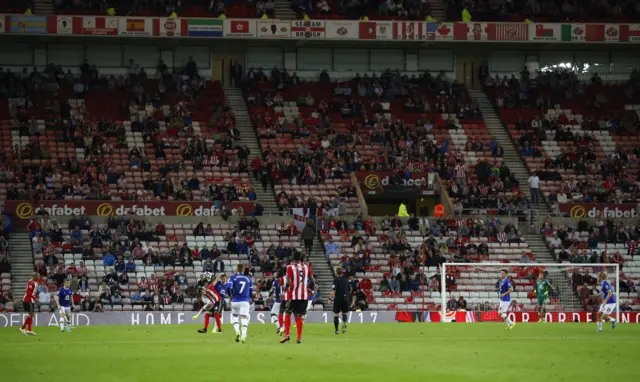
point(172, 138)
point(605, 243)
point(184, 8)
point(398, 262)
point(579, 134)
point(361, 114)
point(129, 264)
point(541, 11)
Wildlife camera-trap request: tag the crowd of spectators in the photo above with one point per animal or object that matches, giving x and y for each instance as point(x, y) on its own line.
point(366, 102)
point(6, 296)
point(357, 9)
point(571, 244)
point(402, 271)
point(543, 10)
point(98, 175)
point(579, 153)
point(125, 246)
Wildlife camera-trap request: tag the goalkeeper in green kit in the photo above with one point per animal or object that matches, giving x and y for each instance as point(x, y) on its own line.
point(541, 291)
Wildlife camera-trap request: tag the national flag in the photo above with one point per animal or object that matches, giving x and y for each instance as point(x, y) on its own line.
point(543, 32)
point(367, 30)
point(471, 31)
point(432, 29)
point(583, 32)
point(170, 26)
point(239, 26)
point(508, 32)
point(471, 316)
point(205, 28)
point(135, 25)
point(629, 32)
point(28, 24)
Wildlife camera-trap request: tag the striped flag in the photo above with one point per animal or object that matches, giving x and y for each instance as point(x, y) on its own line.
point(409, 30)
point(508, 32)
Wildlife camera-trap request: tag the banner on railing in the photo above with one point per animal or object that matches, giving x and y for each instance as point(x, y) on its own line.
point(240, 28)
point(28, 24)
point(23, 210)
point(169, 27)
point(274, 29)
point(599, 210)
point(342, 30)
point(472, 316)
point(320, 29)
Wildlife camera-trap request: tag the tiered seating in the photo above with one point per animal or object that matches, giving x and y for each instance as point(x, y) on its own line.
point(165, 143)
point(358, 122)
point(600, 119)
point(587, 251)
point(177, 234)
point(476, 287)
point(15, 6)
point(334, 10)
point(557, 11)
point(188, 8)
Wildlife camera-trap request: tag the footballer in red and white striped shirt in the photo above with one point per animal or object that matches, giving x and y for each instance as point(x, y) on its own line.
point(28, 303)
point(297, 280)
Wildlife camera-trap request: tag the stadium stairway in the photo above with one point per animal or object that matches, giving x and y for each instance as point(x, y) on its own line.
point(283, 10)
point(321, 270)
point(542, 254)
point(511, 154)
point(248, 137)
point(43, 7)
point(21, 263)
point(438, 9)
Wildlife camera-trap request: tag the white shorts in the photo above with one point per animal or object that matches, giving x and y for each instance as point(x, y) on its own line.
point(275, 309)
point(64, 309)
point(504, 306)
point(309, 305)
point(607, 308)
point(240, 308)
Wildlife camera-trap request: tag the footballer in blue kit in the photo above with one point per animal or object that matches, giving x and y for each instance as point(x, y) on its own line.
point(505, 298)
point(276, 292)
point(241, 291)
point(609, 304)
point(63, 300)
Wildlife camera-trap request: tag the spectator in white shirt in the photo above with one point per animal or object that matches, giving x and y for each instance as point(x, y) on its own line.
point(534, 185)
point(555, 243)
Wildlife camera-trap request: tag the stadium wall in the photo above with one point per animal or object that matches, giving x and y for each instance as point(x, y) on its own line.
point(369, 317)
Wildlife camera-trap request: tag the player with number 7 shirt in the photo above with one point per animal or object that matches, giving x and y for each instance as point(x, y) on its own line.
point(298, 279)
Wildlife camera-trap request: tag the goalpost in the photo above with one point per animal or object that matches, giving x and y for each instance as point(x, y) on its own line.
point(573, 294)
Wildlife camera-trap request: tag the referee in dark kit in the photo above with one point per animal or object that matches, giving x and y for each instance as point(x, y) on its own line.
point(340, 296)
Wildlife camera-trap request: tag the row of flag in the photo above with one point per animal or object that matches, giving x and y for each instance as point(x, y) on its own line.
point(319, 29)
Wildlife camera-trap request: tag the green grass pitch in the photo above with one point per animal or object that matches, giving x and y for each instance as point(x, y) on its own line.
point(368, 352)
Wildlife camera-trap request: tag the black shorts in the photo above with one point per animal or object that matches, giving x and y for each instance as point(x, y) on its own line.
point(28, 307)
point(298, 307)
point(283, 307)
point(340, 306)
point(218, 307)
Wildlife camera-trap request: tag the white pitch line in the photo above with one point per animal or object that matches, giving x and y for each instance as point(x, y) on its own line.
point(598, 337)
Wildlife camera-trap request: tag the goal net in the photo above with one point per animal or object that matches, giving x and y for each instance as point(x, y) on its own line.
point(548, 292)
